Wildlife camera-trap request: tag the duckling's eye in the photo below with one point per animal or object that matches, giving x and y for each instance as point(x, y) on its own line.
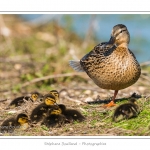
point(51, 99)
point(56, 94)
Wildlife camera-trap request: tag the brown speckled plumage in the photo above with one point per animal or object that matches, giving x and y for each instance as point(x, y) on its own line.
point(111, 65)
point(114, 71)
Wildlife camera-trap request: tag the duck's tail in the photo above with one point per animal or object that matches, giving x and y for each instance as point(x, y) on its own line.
point(75, 64)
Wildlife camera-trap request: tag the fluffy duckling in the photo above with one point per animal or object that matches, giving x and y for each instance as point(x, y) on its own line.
point(71, 114)
point(41, 110)
point(56, 94)
point(55, 118)
point(10, 124)
point(20, 100)
point(36, 96)
point(126, 111)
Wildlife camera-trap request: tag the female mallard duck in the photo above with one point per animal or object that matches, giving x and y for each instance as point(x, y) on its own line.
point(71, 114)
point(56, 94)
point(55, 118)
point(20, 100)
point(111, 65)
point(41, 110)
point(13, 123)
point(126, 111)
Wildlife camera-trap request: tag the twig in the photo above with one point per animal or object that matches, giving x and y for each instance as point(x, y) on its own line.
point(3, 100)
point(74, 100)
point(50, 77)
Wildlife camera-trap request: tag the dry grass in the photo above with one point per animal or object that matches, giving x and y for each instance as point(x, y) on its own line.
point(98, 120)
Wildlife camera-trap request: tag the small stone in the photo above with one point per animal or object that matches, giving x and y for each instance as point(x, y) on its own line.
point(77, 93)
point(88, 92)
point(17, 66)
point(141, 88)
point(98, 124)
point(71, 129)
point(12, 112)
point(88, 99)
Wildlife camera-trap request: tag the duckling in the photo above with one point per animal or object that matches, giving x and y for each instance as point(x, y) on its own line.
point(20, 100)
point(36, 96)
point(13, 123)
point(56, 94)
point(111, 65)
point(71, 114)
point(41, 110)
point(126, 111)
point(55, 118)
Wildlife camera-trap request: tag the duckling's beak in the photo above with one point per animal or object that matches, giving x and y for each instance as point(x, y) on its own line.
point(112, 40)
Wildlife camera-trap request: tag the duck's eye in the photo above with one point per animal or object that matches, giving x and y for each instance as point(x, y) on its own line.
point(123, 30)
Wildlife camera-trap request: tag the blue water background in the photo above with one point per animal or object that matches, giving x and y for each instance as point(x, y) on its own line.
point(137, 24)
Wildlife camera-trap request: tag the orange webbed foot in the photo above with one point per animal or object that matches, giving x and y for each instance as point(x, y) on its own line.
point(111, 104)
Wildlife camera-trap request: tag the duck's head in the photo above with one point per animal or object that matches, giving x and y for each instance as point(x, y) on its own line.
point(35, 96)
point(22, 119)
point(49, 99)
point(62, 107)
point(56, 111)
point(120, 35)
point(133, 100)
point(56, 94)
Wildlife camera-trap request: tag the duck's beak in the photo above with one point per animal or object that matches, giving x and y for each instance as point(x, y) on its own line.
point(112, 40)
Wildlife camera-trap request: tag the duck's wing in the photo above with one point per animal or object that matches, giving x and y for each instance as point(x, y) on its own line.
point(97, 51)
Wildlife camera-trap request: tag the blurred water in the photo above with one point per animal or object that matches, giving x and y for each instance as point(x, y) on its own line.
point(137, 24)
